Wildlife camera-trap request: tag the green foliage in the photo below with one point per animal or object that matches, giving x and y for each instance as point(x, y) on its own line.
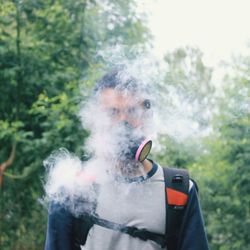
point(47, 55)
point(187, 80)
point(223, 172)
point(220, 165)
point(186, 71)
point(177, 154)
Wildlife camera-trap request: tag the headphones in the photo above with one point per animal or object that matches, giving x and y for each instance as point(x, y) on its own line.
point(143, 150)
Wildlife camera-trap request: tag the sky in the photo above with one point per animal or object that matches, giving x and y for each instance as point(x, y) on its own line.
point(219, 28)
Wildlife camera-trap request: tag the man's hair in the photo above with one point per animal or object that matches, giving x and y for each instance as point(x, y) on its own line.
point(116, 79)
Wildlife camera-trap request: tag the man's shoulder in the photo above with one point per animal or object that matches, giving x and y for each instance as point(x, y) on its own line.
point(192, 182)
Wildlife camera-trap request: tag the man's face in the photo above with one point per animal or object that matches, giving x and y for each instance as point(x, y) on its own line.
point(122, 107)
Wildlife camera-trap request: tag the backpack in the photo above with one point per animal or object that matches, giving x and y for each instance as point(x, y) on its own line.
point(177, 190)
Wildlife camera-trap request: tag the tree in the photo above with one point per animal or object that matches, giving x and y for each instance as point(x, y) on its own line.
point(188, 105)
point(223, 172)
point(47, 57)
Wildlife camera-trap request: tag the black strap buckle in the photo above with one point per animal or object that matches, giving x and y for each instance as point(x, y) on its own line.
point(135, 232)
point(176, 207)
point(178, 178)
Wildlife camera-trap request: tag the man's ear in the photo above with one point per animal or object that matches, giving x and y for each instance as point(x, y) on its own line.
point(147, 104)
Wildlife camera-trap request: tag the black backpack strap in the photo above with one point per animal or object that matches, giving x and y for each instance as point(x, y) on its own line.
point(83, 222)
point(142, 234)
point(81, 227)
point(177, 190)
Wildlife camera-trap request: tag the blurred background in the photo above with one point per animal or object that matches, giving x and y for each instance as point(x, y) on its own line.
point(51, 54)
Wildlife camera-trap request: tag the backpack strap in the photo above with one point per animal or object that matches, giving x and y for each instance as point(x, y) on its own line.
point(81, 228)
point(177, 190)
point(135, 232)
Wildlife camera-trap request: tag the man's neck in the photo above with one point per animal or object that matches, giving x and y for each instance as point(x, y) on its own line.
point(147, 165)
point(138, 169)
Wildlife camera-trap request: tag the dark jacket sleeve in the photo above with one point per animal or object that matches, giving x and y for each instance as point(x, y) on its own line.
point(59, 229)
point(66, 231)
point(193, 234)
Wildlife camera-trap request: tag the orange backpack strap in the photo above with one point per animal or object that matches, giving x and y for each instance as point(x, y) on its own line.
point(177, 190)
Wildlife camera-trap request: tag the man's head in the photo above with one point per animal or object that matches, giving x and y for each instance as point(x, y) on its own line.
point(125, 104)
point(122, 98)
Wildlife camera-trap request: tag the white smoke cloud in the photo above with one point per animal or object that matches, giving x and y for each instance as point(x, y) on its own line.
point(70, 180)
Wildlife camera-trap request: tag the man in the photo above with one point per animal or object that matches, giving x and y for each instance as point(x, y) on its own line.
point(132, 197)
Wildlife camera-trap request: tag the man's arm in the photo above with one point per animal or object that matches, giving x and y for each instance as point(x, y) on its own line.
point(193, 235)
point(60, 229)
